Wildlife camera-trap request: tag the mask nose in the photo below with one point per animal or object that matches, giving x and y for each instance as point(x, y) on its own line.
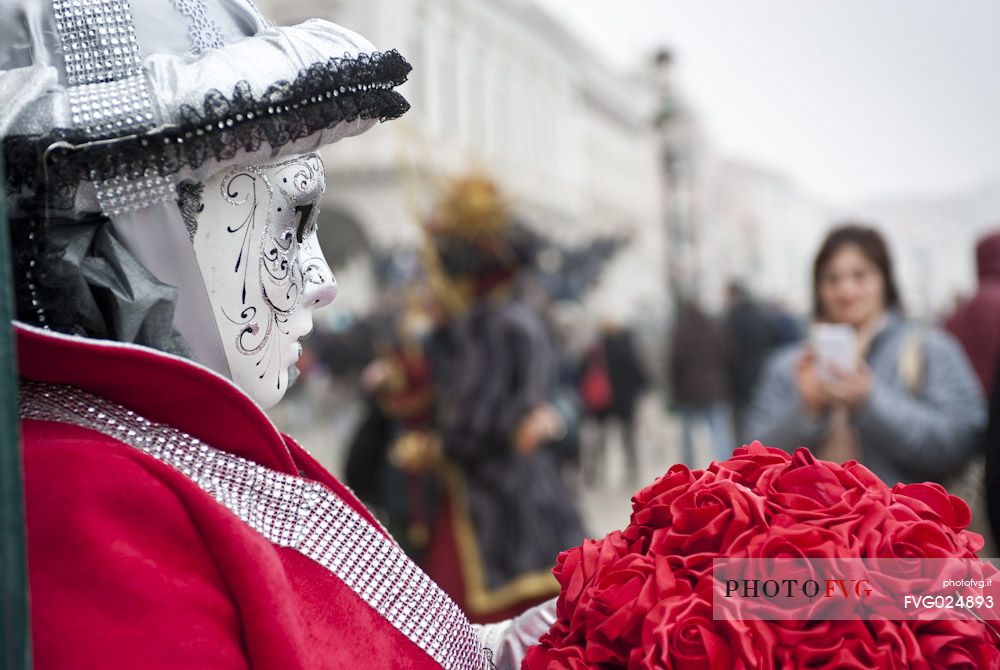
point(320, 285)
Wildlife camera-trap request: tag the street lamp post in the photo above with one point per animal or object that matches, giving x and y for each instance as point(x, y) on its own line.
point(672, 175)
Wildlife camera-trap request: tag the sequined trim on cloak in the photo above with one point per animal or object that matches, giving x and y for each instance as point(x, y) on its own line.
point(290, 512)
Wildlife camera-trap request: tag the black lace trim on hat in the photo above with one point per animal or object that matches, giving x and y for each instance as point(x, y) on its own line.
point(52, 166)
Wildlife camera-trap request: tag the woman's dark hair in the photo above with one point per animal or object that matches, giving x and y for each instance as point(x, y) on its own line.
point(870, 243)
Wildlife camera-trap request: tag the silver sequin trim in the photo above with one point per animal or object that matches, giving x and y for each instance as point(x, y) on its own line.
point(108, 94)
point(204, 33)
point(125, 194)
point(112, 107)
point(98, 40)
point(290, 512)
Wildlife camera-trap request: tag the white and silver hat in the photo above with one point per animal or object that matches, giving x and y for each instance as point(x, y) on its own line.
point(103, 100)
point(108, 106)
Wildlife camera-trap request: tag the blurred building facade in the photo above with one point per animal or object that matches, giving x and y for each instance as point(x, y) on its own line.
point(766, 231)
point(725, 219)
point(933, 239)
point(499, 87)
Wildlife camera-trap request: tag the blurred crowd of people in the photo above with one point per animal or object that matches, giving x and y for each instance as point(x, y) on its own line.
point(491, 397)
point(715, 364)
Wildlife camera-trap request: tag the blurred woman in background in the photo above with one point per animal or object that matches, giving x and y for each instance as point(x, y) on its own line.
point(902, 399)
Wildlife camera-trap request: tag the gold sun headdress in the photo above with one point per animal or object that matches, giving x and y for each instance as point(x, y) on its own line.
point(473, 244)
point(472, 208)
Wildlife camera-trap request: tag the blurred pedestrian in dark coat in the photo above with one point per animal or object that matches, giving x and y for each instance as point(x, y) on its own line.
point(751, 334)
point(625, 380)
point(976, 324)
point(991, 443)
point(699, 372)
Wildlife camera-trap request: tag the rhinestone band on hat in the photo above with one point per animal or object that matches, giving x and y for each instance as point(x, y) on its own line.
point(108, 95)
point(112, 107)
point(291, 512)
point(98, 40)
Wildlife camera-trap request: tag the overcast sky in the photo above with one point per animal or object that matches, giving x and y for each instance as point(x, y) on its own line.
point(852, 99)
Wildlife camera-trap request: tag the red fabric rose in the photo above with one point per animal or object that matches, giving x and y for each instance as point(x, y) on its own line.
point(621, 598)
point(812, 490)
point(832, 644)
point(931, 502)
point(716, 518)
point(543, 657)
point(962, 645)
point(664, 489)
point(919, 539)
point(576, 567)
point(900, 642)
point(681, 634)
point(651, 505)
point(749, 462)
point(786, 538)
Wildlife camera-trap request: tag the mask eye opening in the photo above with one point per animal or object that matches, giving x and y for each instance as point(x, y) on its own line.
point(303, 214)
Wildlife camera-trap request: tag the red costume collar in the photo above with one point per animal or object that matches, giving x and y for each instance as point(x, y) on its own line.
point(159, 386)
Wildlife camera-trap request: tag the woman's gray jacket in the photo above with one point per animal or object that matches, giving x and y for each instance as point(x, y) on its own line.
point(903, 436)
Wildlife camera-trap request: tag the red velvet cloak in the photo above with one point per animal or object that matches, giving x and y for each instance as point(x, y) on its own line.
point(132, 565)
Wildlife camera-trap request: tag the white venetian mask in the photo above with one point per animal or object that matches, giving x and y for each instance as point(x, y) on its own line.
point(256, 245)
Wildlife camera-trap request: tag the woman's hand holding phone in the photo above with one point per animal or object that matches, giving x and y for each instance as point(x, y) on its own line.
point(850, 387)
point(812, 389)
point(830, 372)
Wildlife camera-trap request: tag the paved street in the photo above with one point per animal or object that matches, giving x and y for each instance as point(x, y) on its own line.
point(606, 507)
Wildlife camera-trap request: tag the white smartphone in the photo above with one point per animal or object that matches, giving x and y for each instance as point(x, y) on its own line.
point(834, 346)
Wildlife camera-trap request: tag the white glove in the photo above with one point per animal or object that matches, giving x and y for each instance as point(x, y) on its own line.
point(509, 640)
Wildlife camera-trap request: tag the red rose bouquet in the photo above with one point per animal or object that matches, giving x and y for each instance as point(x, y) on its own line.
point(642, 597)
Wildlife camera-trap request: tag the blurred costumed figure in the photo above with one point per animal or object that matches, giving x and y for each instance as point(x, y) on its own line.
point(508, 513)
point(394, 459)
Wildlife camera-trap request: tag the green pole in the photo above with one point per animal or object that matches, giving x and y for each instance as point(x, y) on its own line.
point(15, 632)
